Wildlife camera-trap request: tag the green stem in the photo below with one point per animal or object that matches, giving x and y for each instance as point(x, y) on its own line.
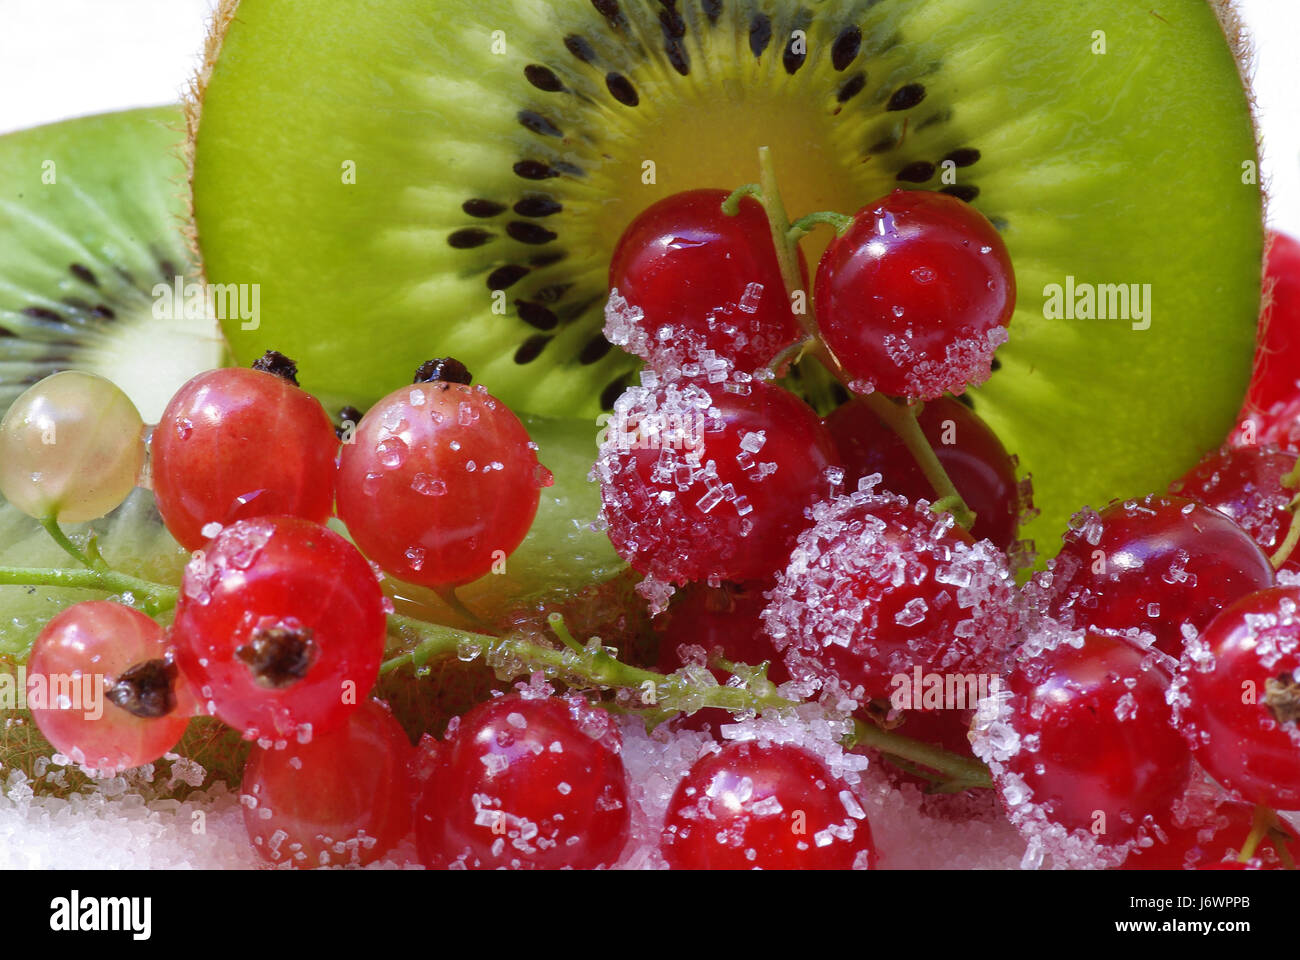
point(152, 598)
point(961, 773)
point(1264, 820)
point(804, 225)
point(1285, 549)
point(779, 222)
point(575, 664)
point(731, 206)
point(58, 536)
point(901, 418)
point(453, 601)
point(1292, 480)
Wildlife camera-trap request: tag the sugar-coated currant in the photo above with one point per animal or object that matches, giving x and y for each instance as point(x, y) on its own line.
point(1093, 746)
point(70, 448)
point(971, 454)
point(102, 690)
point(234, 444)
point(701, 280)
point(879, 586)
point(440, 482)
point(280, 628)
point(1153, 564)
point(1208, 839)
point(699, 482)
point(526, 784)
point(1245, 484)
point(1238, 697)
point(343, 798)
point(752, 806)
point(915, 297)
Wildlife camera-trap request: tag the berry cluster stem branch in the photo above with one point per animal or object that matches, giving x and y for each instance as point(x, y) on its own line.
point(961, 773)
point(71, 549)
point(899, 417)
point(1264, 820)
point(804, 225)
point(590, 665)
point(1287, 547)
point(152, 598)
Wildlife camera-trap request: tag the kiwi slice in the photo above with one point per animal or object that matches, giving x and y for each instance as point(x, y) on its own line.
point(403, 174)
point(91, 217)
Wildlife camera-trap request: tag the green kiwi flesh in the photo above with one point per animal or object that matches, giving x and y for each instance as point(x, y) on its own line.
point(91, 218)
point(411, 174)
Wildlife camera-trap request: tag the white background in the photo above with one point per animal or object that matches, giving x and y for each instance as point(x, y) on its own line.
point(63, 58)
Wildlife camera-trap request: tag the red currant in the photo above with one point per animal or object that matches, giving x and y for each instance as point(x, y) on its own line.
point(1201, 843)
point(1091, 743)
point(701, 280)
point(701, 483)
point(1155, 565)
point(234, 444)
point(746, 806)
point(915, 297)
point(280, 627)
point(1239, 698)
point(1245, 484)
point(971, 454)
point(441, 482)
point(526, 784)
point(102, 690)
point(1276, 377)
point(343, 798)
point(880, 586)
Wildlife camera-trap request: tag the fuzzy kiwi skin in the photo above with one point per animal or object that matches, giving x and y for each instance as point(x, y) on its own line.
point(1122, 167)
point(91, 212)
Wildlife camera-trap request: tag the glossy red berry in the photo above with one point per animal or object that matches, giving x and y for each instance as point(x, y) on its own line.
point(973, 457)
point(1153, 564)
point(750, 806)
point(1276, 378)
point(234, 444)
point(1245, 484)
point(1238, 700)
point(526, 784)
point(280, 628)
point(701, 280)
point(101, 689)
point(1087, 739)
point(915, 297)
point(698, 482)
point(879, 587)
point(1207, 841)
point(343, 798)
point(441, 481)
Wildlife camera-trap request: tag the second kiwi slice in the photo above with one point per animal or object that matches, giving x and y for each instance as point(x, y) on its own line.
point(407, 178)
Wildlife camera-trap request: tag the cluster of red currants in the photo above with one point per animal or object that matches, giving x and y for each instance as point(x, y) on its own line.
point(1164, 646)
point(717, 479)
point(281, 623)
